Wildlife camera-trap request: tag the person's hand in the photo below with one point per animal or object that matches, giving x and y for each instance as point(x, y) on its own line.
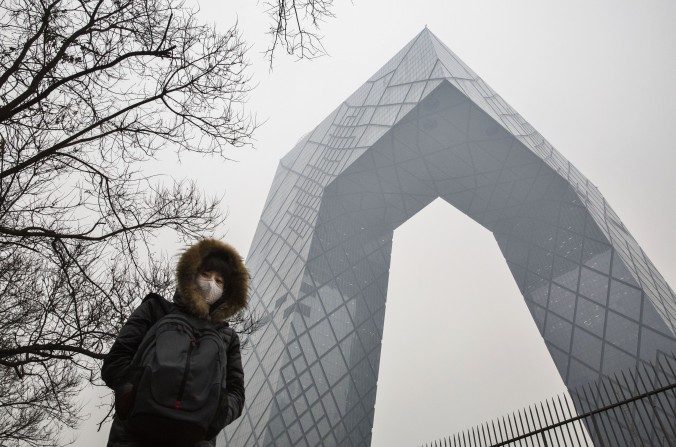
point(124, 399)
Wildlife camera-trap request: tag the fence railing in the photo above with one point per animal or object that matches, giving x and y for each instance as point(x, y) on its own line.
point(628, 408)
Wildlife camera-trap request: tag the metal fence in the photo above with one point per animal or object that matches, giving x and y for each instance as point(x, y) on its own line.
point(628, 408)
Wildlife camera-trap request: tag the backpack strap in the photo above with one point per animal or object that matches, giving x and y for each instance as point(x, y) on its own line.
point(158, 307)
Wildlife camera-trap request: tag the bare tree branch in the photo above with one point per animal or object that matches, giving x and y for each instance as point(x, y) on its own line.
point(295, 25)
point(91, 91)
point(95, 90)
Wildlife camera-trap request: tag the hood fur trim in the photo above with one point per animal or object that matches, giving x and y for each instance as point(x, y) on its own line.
point(235, 290)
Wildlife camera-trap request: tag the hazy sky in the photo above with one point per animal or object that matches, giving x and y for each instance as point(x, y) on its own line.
point(595, 78)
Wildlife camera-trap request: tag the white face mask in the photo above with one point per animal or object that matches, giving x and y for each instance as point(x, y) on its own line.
point(211, 290)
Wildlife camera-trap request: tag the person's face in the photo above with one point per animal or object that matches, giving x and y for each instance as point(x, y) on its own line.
point(210, 284)
point(213, 275)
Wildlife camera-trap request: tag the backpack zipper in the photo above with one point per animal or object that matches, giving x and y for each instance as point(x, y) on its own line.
point(177, 404)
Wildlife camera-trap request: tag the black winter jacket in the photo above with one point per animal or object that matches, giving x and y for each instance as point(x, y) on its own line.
point(115, 365)
point(115, 369)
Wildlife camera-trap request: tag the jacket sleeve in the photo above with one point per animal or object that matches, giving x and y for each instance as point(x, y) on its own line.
point(116, 363)
point(231, 402)
point(234, 381)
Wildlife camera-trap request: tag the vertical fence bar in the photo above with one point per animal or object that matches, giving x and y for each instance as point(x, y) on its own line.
point(533, 422)
point(667, 361)
point(556, 434)
point(565, 417)
point(483, 433)
point(599, 436)
point(495, 435)
point(648, 406)
point(522, 430)
point(544, 416)
point(580, 424)
point(669, 365)
point(511, 429)
point(612, 426)
point(540, 426)
point(659, 385)
point(638, 410)
point(502, 437)
point(650, 400)
point(502, 425)
point(666, 397)
point(619, 425)
point(528, 423)
point(512, 433)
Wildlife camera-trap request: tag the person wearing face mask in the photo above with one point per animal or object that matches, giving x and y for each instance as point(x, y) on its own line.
point(211, 285)
point(168, 357)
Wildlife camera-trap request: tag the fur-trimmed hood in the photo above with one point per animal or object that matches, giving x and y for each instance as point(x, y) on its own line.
point(236, 287)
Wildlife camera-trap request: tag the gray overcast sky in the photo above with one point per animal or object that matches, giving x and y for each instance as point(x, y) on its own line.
point(596, 78)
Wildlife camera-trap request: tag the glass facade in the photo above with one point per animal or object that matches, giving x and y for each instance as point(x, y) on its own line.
point(426, 126)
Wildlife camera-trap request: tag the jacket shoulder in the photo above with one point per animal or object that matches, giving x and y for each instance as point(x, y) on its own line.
point(156, 305)
point(156, 296)
point(229, 333)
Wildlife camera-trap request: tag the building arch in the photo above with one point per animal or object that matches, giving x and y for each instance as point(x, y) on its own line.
point(425, 126)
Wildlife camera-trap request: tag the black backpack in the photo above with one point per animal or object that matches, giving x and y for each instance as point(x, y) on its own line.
point(178, 374)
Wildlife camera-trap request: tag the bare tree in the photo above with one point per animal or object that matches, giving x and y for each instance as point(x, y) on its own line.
point(90, 91)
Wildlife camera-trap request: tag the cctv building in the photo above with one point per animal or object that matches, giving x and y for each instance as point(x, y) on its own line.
point(426, 126)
